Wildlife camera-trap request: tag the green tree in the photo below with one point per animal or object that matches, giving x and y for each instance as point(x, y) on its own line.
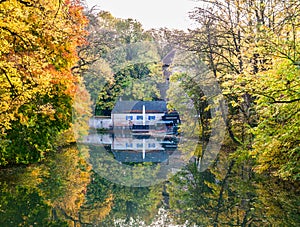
point(243, 42)
point(276, 142)
point(118, 61)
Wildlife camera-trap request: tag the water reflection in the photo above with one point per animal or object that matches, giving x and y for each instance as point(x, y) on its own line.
point(230, 194)
point(48, 194)
point(136, 159)
point(136, 148)
point(64, 191)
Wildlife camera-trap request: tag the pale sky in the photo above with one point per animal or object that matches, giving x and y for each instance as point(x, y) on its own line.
point(172, 14)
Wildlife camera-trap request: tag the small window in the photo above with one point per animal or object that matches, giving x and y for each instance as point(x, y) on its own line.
point(139, 117)
point(129, 118)
point(151, 145)
point(151, 118)
point(139, 145)
point(129, 145)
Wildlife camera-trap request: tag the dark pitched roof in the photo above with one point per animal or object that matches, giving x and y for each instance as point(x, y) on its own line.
point(137, 107)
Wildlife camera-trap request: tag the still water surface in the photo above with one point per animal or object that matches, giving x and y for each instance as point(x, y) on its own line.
point(68, 189)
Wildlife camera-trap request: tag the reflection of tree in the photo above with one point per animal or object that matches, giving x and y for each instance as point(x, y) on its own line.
point(57, 194)
point(279, 202)
point(22, 206)
point(229, 194)
point(108, 203)
point(65, 184)
point(47, 193)
point(137, 175)
point(136, 203)
point(99, 200)
point(190, 195)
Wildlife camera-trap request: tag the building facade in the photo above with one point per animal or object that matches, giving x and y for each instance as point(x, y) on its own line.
point(128, 113)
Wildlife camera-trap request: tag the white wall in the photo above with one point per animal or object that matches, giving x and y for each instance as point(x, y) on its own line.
point(136, 144)
point(98, 139)
point(120, 119)
point(100, 123)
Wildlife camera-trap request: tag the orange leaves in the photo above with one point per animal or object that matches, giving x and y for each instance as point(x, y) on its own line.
point(38, 48)
point(38, 44)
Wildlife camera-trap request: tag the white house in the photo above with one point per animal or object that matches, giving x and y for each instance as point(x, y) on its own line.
point(128, 113)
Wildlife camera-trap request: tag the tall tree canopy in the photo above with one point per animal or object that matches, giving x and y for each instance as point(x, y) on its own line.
point(115, 61)
point(38, 41)
point(252, 47)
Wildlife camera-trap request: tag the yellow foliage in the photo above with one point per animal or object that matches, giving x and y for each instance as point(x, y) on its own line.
point(37, 50)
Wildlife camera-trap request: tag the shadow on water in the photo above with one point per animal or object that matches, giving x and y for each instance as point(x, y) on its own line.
point(66, 191)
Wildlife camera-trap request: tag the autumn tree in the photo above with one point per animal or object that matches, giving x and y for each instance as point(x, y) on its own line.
point(243, 43)
point(38, 50)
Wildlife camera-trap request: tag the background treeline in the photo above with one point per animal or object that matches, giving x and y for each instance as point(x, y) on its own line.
point(251, 47)
point(50, 54)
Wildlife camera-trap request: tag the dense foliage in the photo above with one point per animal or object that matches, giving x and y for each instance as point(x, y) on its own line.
point(252, 48)
point(116, 64)
point(38, 41)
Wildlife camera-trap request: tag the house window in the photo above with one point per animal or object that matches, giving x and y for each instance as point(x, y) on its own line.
point(151, 145)
point(129, 118)
point(139, 145)
point(129, 145)
point(139, 117)
point(151, 118)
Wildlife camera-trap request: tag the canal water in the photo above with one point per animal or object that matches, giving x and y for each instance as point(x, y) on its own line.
point(89, 184)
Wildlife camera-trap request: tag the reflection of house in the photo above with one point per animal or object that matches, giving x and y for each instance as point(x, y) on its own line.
point(149, 144)
point(136, 149)
point(137, 113)
point(138, 157)
point(98, 139)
